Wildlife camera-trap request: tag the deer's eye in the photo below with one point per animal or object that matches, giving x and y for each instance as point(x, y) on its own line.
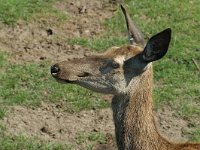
point(109, 66)
point(115, 65)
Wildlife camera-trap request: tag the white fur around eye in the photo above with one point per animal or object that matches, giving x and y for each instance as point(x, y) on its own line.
point(120, 59)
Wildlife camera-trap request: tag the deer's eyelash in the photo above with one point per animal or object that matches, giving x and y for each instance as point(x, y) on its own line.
point(115, 65)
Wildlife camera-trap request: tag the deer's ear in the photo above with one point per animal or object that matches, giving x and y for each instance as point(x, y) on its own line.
point(157, 46)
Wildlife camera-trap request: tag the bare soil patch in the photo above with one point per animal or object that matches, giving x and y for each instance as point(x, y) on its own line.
point(47, 38)
point(51, 124)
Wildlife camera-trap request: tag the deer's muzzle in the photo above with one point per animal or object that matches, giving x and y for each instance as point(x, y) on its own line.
point(54, 69)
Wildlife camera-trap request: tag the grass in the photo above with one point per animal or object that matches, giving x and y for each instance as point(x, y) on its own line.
point(83, 138)
point(189, 109)
point(13, 10)
point(195, 135)
point(176, 76)
point(8, 142)
point(13, 142)
point(3, 112)
point(25, 143)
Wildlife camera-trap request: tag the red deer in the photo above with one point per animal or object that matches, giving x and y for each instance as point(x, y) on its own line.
point(126, 72)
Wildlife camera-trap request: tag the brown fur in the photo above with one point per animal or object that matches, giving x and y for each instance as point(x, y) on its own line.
point(126, 72)
point(132, 110)
point(140, 132)
point(127, 50)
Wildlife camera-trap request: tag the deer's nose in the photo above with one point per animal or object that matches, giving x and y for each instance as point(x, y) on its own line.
point(54, 69)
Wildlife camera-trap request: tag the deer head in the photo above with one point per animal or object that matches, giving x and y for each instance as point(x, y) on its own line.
point(112, 71)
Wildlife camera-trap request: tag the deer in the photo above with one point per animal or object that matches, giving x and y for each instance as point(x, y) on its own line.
point(126, 72)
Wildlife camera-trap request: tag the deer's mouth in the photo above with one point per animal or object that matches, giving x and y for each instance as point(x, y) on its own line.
point(67, 76)
point(64, 80)
point(72, 80)
point(68, 81)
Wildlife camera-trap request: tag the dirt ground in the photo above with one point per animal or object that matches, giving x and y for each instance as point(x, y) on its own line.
point(46, 39)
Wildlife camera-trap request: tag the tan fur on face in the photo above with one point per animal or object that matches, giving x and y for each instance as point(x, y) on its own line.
point(120, 59)
point(131, 83)
point(132, 103)
point(128, 51)
point(122, 71)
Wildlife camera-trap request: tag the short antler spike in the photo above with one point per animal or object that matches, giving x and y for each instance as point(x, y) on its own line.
point(134, 33)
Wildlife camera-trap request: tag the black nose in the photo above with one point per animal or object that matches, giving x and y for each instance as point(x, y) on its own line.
point(54, 69)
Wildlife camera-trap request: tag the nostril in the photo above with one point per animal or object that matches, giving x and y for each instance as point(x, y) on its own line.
point(54, 69)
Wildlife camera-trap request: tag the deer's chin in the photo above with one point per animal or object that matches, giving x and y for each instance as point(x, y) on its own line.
point(68, 81)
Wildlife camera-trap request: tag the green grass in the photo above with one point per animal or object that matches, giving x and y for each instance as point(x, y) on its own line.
point(195, 136)
point(189, 109)
point(21, 142)
point(8, 142)
point(3, 112)
point(92, 137)
point(13, 10)
point(13, 142)
point(98, 44)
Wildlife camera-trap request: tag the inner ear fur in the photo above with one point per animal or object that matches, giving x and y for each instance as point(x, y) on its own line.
point(157, 46)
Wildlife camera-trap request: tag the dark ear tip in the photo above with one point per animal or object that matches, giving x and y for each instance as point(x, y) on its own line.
point(122, 7)
point(168, 31)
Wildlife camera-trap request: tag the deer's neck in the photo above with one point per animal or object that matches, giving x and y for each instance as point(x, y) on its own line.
point(133, 117)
